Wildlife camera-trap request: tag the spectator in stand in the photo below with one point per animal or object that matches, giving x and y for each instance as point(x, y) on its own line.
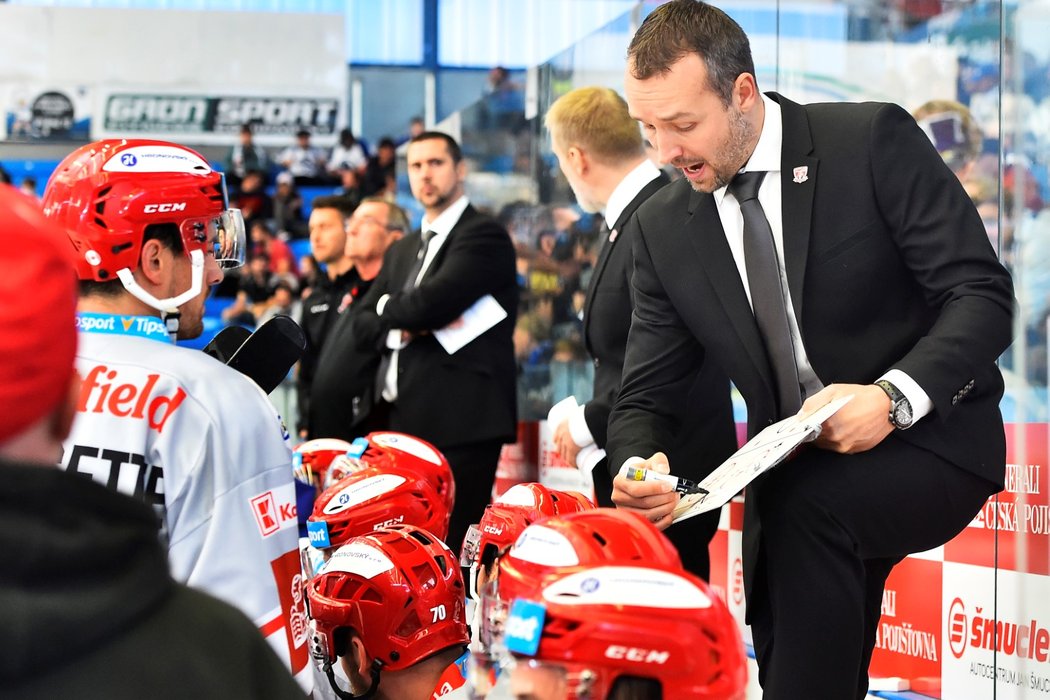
point(380, 177)
point(288, 207)
point(244, 157)
point(305, 162)
point(252, 198)
point(282, 259)
point(309, 273)
point(28, 187)
point(282, 302)
point(350, 187)
point(416, 126)
point(348, 154)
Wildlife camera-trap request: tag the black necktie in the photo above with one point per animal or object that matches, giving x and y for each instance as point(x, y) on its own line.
point(407, 285)
point(767, 294)
point(417, 264)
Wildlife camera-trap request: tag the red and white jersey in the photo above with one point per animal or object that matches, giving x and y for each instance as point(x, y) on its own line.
point(453, 682)
point(204, 445)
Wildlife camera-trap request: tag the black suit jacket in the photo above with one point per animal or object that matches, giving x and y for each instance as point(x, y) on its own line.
point(888, 265)
point(468, 396)
point(710, 433)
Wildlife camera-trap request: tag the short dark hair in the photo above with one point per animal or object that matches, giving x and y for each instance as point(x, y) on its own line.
point(396, 218)
point(450, 143)
point(636, 688)
point(169, 236)
point(681, 27)
point(345, 205)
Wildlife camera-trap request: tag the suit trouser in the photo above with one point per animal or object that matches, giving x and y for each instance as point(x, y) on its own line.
point(690, 537)
point(832, 528)
point(474, 469)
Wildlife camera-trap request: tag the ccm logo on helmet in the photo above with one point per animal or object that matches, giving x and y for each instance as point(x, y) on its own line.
point(645, 656)
point(388, 523)
point(166, 207)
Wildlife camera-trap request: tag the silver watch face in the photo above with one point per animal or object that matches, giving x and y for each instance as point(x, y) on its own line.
point(902, 415)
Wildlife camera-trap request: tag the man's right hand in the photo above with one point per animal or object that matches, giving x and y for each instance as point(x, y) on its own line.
point(655, 500)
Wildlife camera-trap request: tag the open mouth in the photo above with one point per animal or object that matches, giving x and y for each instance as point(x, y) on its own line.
point(693, 171)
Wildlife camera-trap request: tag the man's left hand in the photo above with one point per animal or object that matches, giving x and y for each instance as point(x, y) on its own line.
point(567, 447)
point(858, 426)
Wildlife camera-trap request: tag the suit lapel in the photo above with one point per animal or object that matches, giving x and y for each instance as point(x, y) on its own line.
point(708, 240)
point(798, 183)
point(606, 250)
point(466, 216)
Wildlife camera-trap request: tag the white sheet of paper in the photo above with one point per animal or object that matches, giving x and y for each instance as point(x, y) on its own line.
point(483, 314)
point(761, 453)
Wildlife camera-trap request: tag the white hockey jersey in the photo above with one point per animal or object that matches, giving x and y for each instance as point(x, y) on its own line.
point(204, 445)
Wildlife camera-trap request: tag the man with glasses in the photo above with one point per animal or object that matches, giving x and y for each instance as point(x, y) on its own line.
point(344, 379)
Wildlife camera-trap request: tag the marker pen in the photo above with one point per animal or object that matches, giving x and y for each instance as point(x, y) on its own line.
point(680, 484)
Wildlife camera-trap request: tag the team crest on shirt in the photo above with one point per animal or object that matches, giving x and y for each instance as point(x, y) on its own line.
point(801, 174)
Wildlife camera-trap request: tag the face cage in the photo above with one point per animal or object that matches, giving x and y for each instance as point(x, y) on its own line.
point(492, 619)
point(340, 468)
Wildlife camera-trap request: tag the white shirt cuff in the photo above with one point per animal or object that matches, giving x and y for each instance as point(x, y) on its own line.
point(921, 405)
point(588, 457)
point(381, 304)
point(578, 429)
point(393, 339)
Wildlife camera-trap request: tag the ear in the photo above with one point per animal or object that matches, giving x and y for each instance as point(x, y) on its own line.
point(461, 169)
point(745, 92)
point(578, 159)
point(154, 261)
point(357, 665)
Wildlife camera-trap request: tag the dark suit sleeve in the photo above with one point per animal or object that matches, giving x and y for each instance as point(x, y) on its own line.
point(942, 241)
point(368, 332)
point(477, 261)
point(662, 362)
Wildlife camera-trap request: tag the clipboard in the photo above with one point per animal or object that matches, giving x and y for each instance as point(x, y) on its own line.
point(760, 454)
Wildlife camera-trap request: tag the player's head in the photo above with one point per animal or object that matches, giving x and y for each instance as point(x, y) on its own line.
point(386, 601)
point(506, 518)
point(560, 545)
point(594, 632)
point(399, 479)
point(128, 204)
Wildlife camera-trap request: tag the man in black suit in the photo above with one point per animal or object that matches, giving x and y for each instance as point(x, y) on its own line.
point(888, 291)
point(464, 401)
point(600, 150)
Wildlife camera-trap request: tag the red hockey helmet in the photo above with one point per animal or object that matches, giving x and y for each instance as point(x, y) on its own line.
point(561, 545)
point(409, 486)
point(313, 457)
point(505, 519)
point(399, 588)
point(106, 193)
point(577, 634)
point(383, 449)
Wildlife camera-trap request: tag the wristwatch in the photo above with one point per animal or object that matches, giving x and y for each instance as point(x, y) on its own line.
point(901, 415)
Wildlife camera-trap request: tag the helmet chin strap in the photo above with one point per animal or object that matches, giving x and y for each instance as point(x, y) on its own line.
point(343, 695)
point(169, 307)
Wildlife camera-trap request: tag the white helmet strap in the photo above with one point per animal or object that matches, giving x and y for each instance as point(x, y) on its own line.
point(164, 305)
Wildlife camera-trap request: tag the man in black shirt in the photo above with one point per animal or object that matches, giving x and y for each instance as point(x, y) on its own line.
point(344, 379)
point(331, 295)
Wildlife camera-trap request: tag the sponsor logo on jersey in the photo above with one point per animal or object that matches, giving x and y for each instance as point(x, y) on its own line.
point(102, 392)
point(275, 510)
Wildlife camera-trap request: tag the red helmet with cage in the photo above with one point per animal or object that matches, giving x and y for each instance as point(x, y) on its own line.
point(411, 483)
point(399, 589)
point(507, 517)
point(560, 545)
point(594, 625)
point(313, 457)
point(106, 193)
point(385, 449)
point(587, 538)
